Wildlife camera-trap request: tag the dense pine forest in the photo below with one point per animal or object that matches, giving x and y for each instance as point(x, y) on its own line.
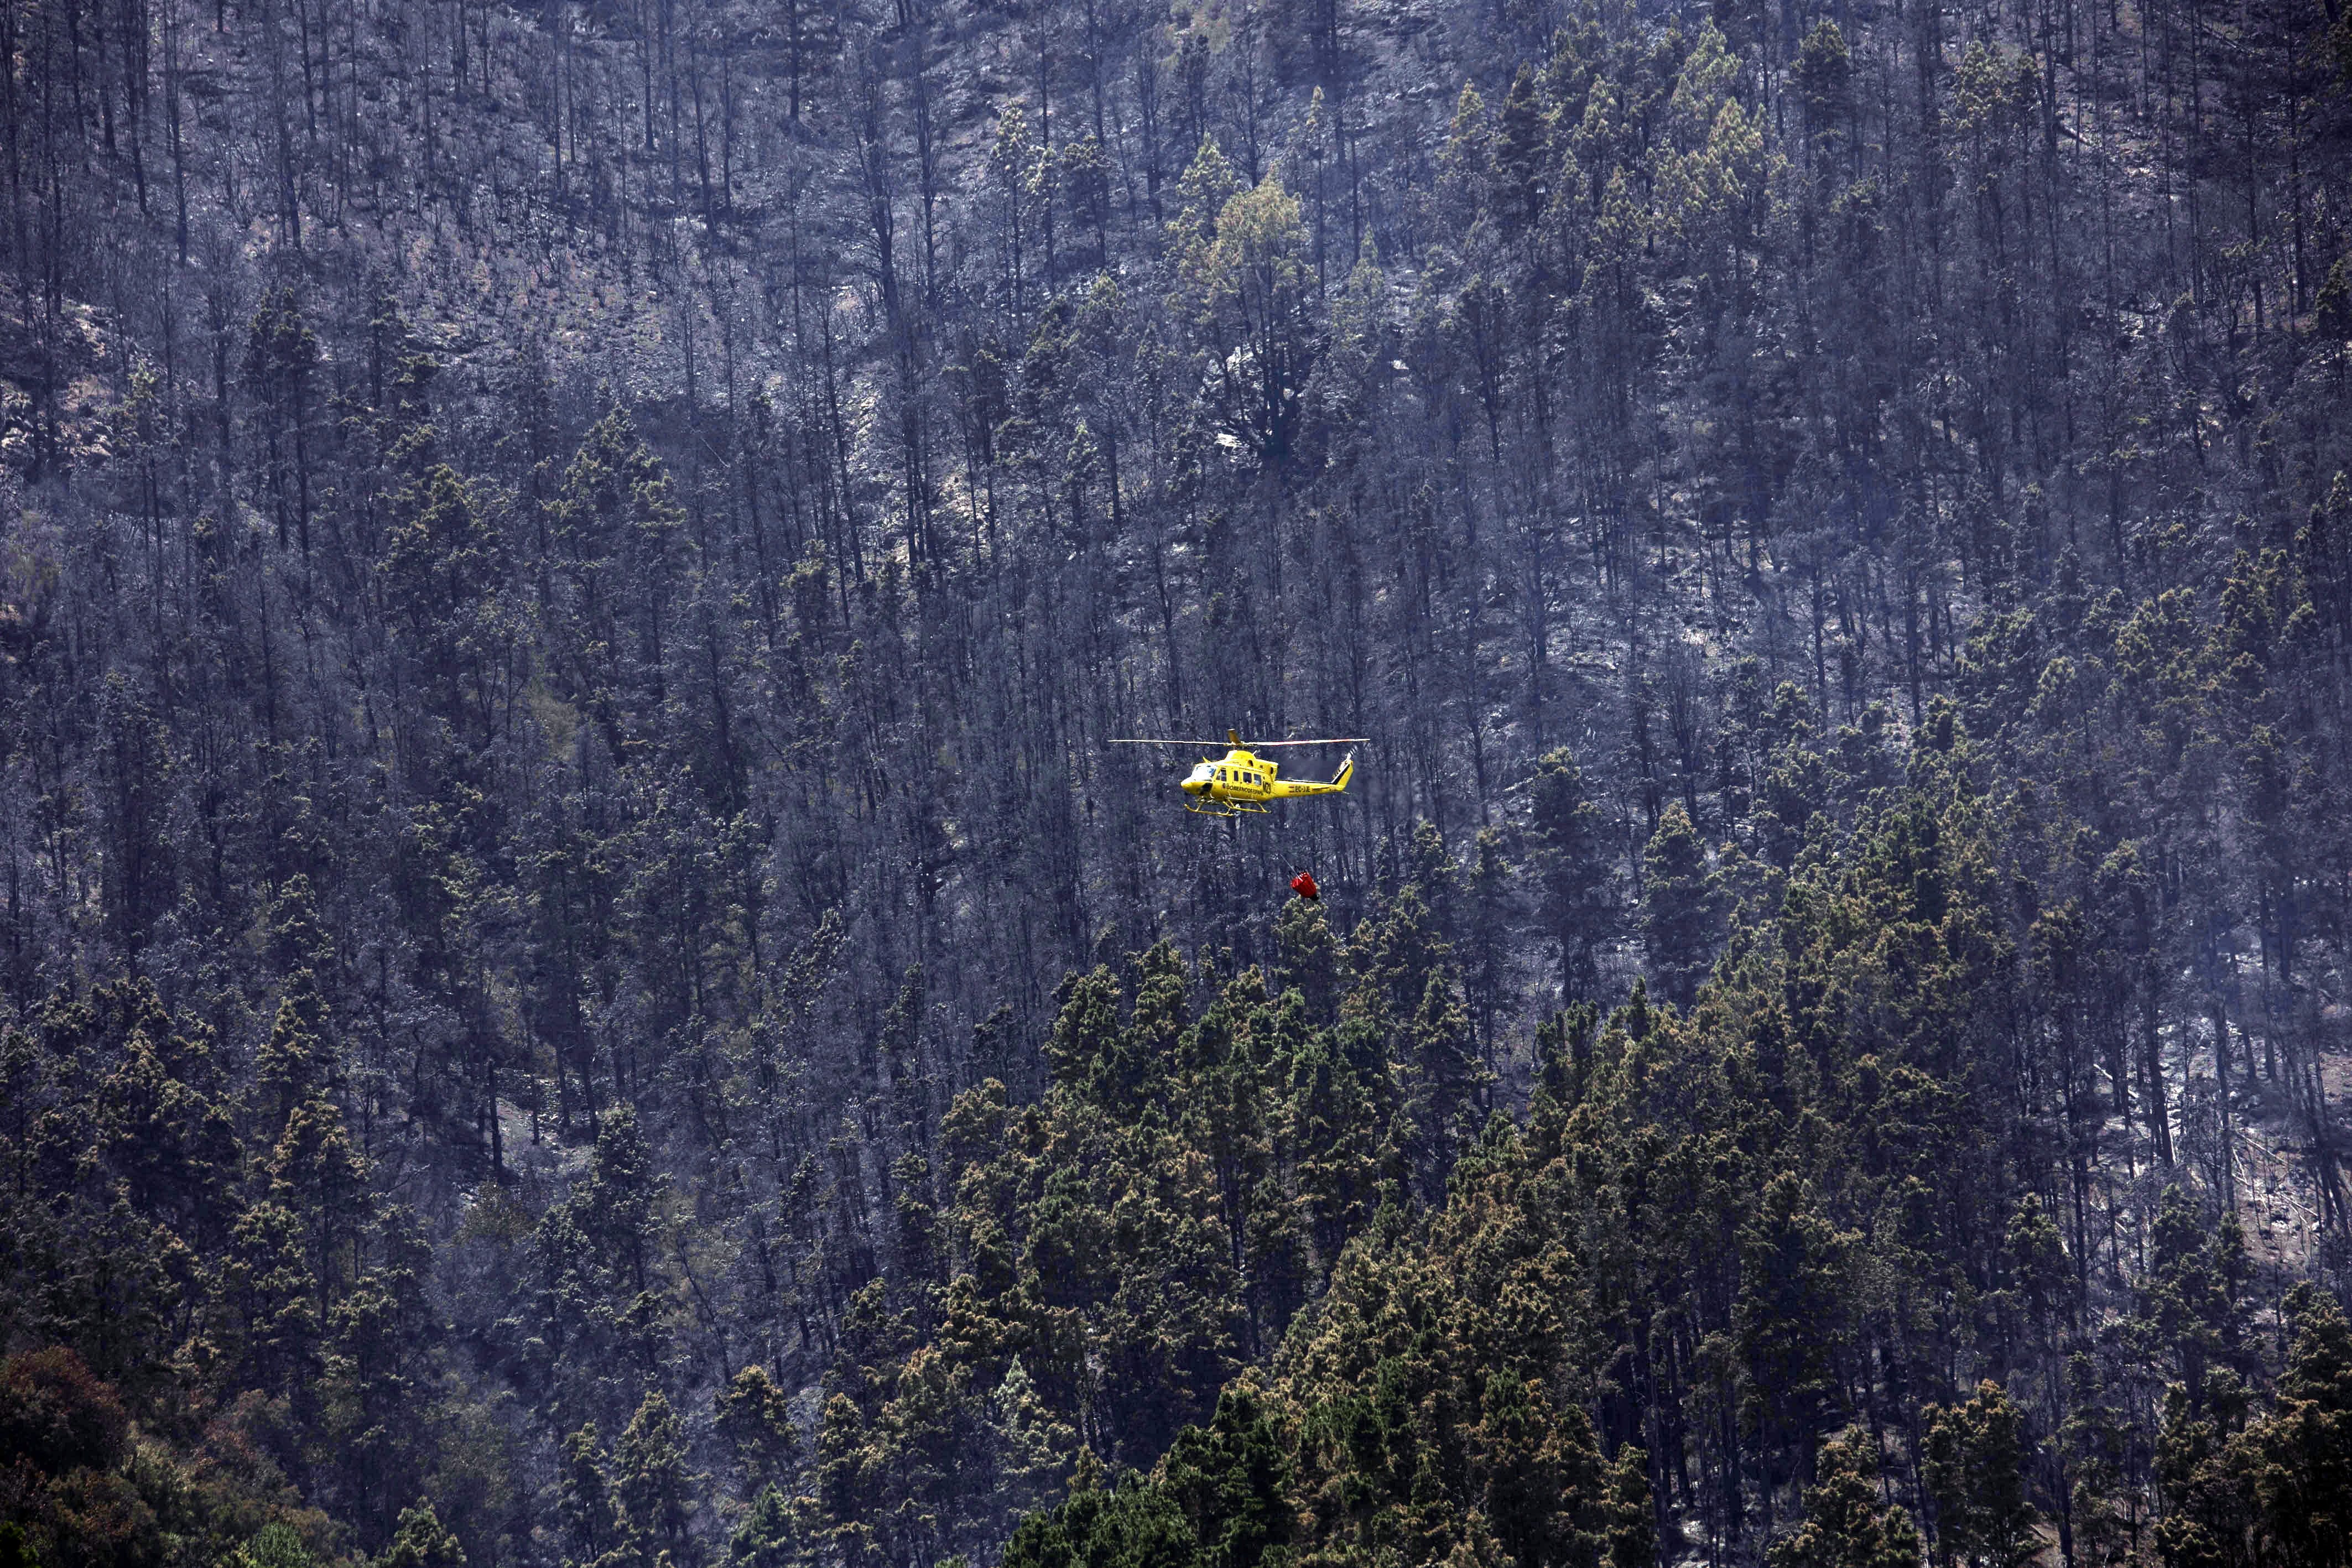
point(581, 985)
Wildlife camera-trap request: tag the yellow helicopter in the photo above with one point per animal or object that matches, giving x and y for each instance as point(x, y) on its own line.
point(1241, 780)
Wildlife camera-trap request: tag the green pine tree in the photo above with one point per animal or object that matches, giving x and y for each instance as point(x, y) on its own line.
point(1681, 917)
point(422, 1541)
point(1973, 1466)
point(650, 1481)
point(1847, 1524)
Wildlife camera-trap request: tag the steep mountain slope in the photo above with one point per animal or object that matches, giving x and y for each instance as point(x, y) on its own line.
point(580, 982)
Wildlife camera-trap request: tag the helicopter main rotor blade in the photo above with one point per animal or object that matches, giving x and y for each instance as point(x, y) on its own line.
point(1253, 745)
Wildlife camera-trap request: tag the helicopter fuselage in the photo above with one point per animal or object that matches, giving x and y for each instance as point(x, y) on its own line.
point(1241, 780)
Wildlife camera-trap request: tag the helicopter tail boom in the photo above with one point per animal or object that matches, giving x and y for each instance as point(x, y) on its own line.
point(1290, 789)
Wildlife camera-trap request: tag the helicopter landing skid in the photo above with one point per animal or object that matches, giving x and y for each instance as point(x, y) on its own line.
point(1225, 809)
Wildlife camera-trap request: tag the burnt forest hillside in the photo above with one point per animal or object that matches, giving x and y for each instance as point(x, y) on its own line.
point(581, 985)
